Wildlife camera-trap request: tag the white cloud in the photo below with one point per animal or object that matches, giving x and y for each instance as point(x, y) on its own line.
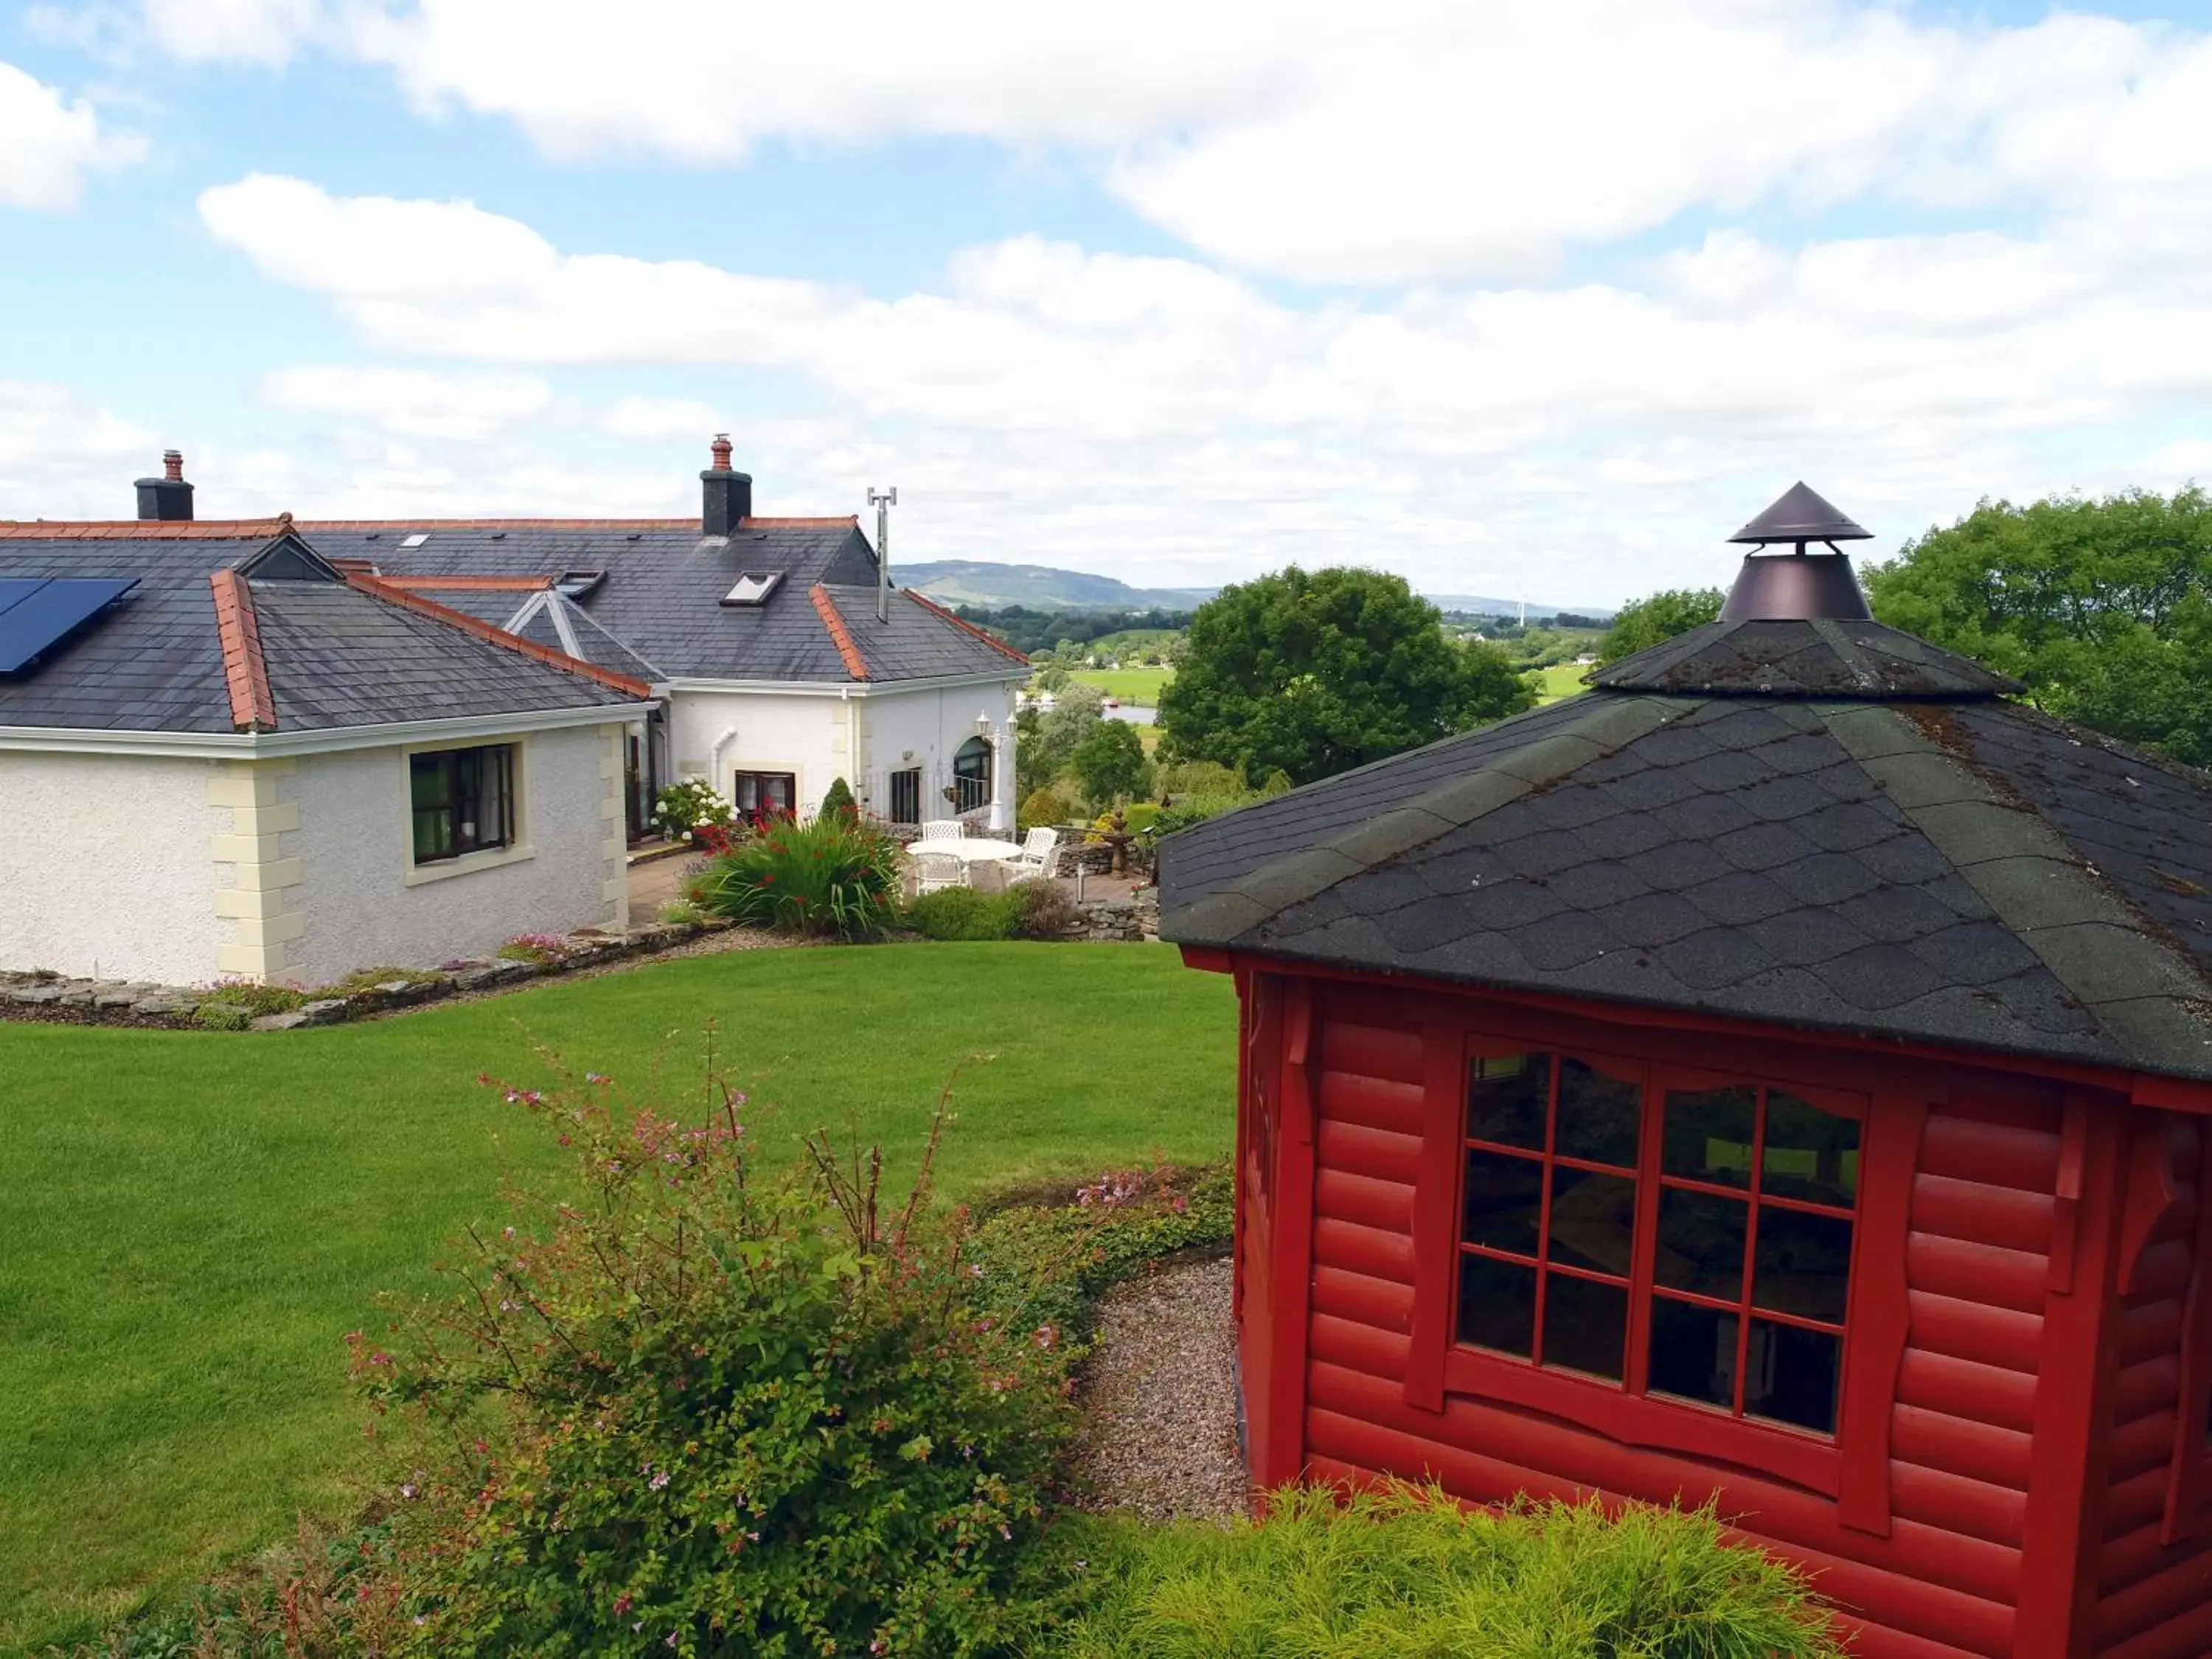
point(1400, 140)
point(48, 144)
point(1046, 398)
point(62, 455)
point(411, 402)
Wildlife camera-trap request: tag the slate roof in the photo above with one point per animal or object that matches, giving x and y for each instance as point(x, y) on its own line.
point(334, 656)
point(1762, 820)
point(663, 585)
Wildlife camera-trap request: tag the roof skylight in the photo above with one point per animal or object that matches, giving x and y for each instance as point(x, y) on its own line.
point(415, 540)
point(753, 588)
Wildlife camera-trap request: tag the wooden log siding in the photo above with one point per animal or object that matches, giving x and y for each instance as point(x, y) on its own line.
point(2152, 1595)
point(1982, 1218)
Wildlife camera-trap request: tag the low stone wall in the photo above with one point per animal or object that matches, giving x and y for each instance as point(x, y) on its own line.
point(113, 1002)
point(1129, 921)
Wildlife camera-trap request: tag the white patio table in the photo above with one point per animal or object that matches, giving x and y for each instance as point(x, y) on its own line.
point(970, 849)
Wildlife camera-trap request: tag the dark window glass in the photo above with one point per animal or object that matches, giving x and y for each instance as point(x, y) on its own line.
point(1599, 1115)
point(1790, 1374)
point(1804, 1264)
point(1585, 1324)
point(1593, 1220)
point(759, 795)
point(1496, 1305)
point(1708, 1135)
point(461, 800)
point(1810, 1154)
point(905, 796)
point(1701, 1239)
point(1506, 1098)
point(971, 774)
point(1694, 1352)
point(1505, 1195)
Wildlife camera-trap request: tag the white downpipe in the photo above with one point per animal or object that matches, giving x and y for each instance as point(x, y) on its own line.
point(714, 758)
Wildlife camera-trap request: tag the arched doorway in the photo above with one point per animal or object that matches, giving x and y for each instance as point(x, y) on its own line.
point(971, 775)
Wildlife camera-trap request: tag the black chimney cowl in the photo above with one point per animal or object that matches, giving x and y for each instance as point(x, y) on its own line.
point(168, 497)
point(725, 496)
point(1799, 587)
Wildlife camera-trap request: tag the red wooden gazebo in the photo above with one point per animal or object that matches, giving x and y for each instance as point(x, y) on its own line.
point(1777, 1075)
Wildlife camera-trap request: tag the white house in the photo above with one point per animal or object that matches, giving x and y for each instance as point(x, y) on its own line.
point(220, 755)
point(782, 655)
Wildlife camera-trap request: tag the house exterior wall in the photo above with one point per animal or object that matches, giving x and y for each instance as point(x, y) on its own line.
point(358, 904)
point(862, 738)
point(105, 866)
point(1971, 1503)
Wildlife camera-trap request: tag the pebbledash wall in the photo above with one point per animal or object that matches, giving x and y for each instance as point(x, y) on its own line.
point(291, 870)
point(104, 867)
point(816, 733)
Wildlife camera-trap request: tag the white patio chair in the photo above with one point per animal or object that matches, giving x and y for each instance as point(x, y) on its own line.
point(1036, 860)
point(944, 829)
point(934, 871)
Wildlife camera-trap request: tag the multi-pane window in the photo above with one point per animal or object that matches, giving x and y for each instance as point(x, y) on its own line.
point(971, 775)
point(762, 795)
point(1705, 1256)
point(462, 801)
point(905, 796)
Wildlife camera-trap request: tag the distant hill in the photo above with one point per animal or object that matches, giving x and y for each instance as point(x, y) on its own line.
point(1043, 588)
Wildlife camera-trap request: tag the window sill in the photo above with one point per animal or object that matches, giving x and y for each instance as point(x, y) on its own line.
point(1802, 1459)
point(469, 864)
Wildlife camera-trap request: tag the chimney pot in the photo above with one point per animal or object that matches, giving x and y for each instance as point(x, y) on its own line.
point(726, 497)
point(168, 498)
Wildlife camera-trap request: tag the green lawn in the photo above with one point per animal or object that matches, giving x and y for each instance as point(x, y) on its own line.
point(191, 1221)
point(1561, 680)
point(1137, 685)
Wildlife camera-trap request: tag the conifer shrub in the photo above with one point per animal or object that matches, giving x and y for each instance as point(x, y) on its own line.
point(704, 1407)
point(1405, 1573)
point(838, 802)
point(1044, 809)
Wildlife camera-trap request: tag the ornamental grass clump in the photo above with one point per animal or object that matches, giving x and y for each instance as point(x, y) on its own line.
point(832, 875)
point(1405, 1573)
point(707, 1408)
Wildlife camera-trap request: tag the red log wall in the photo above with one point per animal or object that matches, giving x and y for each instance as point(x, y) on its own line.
point(1989, 1250)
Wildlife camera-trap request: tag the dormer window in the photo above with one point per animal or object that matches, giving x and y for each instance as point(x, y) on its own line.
point(753, 588)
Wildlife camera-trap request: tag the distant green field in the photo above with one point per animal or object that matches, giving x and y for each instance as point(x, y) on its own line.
point(1562, 680)
point(1137, 685)
point(1131, 641)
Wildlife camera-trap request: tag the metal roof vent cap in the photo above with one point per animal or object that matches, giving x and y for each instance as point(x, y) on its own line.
point(1799, 587)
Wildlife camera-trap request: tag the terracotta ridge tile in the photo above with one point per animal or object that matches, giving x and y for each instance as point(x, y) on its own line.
point(245, 670)
point(847, 521)
point(310, 524)
point(483, 630)
point(982, 633)
point(840, 636)
point(141, 530)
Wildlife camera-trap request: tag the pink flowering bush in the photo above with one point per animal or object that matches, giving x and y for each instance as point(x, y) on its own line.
point(704, 1407)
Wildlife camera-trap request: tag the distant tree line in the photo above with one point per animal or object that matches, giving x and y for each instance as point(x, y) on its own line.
point(1029, 630)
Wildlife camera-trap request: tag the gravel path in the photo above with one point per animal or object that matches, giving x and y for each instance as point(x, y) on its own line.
point(1159, 1396)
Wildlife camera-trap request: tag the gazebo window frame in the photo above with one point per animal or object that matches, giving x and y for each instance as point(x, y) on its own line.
point(1439, 1366)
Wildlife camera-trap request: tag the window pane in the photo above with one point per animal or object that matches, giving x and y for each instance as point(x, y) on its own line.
point(1791, 1375)
point(1504, 1197)
point(427, 782)
point(1599, 1115)
point(1585, 1324)
point(1506, 1096)
point(1804, 1264)
point(1496, 1305)
point(1709, 1134)
point(1593, 1220)
point(1692, 1353)
point(1701, 1240)
point(433, 836)
point(1810, 1154)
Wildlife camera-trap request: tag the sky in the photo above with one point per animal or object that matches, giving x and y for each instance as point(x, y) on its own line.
point(1536, 298)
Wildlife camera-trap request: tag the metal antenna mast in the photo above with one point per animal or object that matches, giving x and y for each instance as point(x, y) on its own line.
point(884, 501)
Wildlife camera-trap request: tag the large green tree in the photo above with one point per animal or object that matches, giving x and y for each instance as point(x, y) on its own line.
point(1656, 620)
point(1314, 673)
point(2102, 608)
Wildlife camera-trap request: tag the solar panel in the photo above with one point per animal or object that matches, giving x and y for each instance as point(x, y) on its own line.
point(36, 616)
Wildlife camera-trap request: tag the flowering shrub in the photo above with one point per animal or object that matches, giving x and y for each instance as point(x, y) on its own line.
point(539, 948)
point(831, 875)
point(688, 803)
point(712, 1409)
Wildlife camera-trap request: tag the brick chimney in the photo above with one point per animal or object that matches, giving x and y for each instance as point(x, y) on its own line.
point(725, 496)
point(167, 497)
